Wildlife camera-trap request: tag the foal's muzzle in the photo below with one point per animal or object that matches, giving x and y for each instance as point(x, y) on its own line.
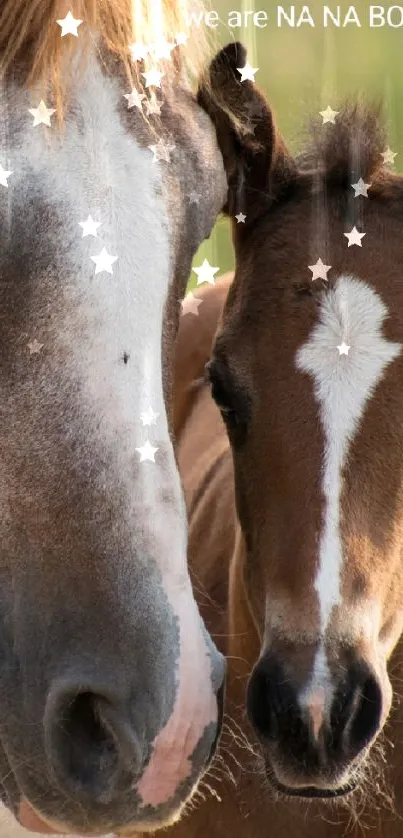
point(304, 756)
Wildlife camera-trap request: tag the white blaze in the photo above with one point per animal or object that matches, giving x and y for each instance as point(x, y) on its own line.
point(353, 313)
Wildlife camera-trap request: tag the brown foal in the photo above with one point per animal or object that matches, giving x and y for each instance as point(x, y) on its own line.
point(295, 500)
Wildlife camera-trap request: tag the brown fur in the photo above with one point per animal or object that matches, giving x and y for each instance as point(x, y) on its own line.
point(248, 808)
point(273, 479)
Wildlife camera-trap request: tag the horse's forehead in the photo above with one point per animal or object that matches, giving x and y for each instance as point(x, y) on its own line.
point(104, 313)
point(96, 168)
point(107, 144)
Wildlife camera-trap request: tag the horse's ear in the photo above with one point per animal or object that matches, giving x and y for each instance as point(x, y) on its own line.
point(258, 166)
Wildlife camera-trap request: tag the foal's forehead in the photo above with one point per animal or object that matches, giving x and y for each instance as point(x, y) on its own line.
point(324, 313)
point(296, 251)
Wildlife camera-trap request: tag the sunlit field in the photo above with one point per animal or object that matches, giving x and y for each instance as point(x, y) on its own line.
point(304, 69)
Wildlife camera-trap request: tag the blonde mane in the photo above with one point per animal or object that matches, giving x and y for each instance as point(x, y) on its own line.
point(31, 42)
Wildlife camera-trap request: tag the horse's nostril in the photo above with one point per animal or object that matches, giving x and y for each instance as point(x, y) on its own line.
point(356, 711)
point(92, 748)
point(366, 719)
point(89, 747)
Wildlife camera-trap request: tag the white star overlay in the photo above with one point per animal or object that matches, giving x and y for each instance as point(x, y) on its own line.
point(149, 417)
point(181, 38)
point(162, 49)
point(134, 99)
point(251, 128)
point(240, 218)
point(319, 270)
point(354, 237)
point(153, 78)
point(90, 227)
point(205, 273)
point(190, 305)
point(343, 348)
point(389, 156)
point(104, 262)
point(162, 151)
point(360, 188)
point(153, 105)
point(255, 109)
point(247, 72)
point(41, 114)
point(328, 115)
point(34, 347)
point(138, 51)
point(69, 25)
point(147, 452)
point(4, 174)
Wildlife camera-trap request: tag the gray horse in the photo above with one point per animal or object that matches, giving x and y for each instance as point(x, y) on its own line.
point(110, 687)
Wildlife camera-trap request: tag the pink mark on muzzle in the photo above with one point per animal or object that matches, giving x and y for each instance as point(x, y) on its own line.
point(316, 705)
point(195, 708)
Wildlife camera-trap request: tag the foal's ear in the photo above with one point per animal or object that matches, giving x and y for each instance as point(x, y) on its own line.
point(258, 166)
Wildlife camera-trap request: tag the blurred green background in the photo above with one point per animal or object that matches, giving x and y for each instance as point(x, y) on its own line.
point(304, 69)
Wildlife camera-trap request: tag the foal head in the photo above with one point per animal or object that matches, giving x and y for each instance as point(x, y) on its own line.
point(109, 684)
point(307, 369)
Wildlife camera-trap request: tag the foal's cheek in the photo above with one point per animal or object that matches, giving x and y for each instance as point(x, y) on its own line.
point(255, 594)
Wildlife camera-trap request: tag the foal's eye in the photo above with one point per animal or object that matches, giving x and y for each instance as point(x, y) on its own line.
point(226, 397)
point(220, 392)
point(222, 399)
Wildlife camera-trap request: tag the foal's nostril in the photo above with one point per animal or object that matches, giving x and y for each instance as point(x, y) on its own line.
point(92, 748)
point(356, 712)
point(366, 715)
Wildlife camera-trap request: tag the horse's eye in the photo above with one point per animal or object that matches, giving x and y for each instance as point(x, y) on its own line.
point(223, 396)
